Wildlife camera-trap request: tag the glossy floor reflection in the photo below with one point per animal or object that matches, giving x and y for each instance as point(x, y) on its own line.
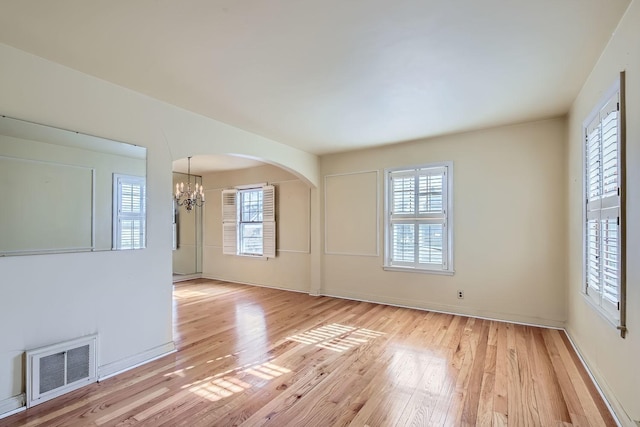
point(254, 356)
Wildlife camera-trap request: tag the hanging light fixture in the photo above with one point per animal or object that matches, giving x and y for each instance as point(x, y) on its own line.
point(189, 197)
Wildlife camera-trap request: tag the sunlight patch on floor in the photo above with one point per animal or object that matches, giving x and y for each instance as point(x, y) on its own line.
point(179, 372)
point(219, 388)
point(221, 357)
point(336, 337)
point(229, 382)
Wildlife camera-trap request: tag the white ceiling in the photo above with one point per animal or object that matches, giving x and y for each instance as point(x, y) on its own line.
point(330, 75)
point(207, 163)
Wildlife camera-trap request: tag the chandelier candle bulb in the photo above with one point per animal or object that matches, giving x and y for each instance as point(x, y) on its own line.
point(191, 197)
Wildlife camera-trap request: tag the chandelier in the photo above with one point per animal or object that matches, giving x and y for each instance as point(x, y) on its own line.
point(189, 197)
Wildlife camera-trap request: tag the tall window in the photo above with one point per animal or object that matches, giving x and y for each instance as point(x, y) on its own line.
point(418, 228)
point(602, 199)
point(249, 226)
point(250, 222)
point(129, 212)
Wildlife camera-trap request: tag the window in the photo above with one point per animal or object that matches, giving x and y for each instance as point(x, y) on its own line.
point(248, 221)
point(418, 228)
point(602, 200)
point(129, 212)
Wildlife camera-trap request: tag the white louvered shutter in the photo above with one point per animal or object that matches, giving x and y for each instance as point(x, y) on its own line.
point(130, 212)
point(269, 221)
point(229, 222)
point(418, 218)
point(602, 237)
point(593, 193)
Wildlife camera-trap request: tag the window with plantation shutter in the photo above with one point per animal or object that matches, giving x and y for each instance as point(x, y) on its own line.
point(602, 201)
point(269, 221)
point(248, 221)
point(418, 229)
point(229, 222)
point(129, 212)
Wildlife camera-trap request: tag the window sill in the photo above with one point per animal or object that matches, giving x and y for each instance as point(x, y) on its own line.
point(258, 257)
point(601, 312)
point(418, 270)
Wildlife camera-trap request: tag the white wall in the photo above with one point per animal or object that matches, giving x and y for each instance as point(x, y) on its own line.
point(509, 222)
point(613, 360)
point(49, 298)
point(291, 269)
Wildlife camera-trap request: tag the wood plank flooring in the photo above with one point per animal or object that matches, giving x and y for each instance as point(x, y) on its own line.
point(255, 356)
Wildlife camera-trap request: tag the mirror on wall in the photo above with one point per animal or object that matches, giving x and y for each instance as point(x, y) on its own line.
point(64, 191)
point(187, 240)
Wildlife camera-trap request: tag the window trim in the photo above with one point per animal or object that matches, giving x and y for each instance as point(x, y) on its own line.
point(231, 221)
point(387, 265)
point(239, 198)
point(618, 321)
point(118, 179)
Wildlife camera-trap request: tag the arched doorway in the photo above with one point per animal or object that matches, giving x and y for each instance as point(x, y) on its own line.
point(188, 224)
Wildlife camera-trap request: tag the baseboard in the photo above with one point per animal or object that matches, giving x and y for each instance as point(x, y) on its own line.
point(397, 302)
point(184, 277)
point(448, 309)
point(616, 409)
point(111, 369)
point(260, 285)
point(17, 404)
point(12, 405)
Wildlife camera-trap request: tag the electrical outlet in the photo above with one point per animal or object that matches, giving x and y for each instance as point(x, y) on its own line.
point(460, 294)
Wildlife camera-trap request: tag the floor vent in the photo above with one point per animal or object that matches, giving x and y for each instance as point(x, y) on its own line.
point(60, 368)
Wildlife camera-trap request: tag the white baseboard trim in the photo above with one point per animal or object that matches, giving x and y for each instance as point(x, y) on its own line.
point(111, 369)
point(16, 404)
point(396, 302)
point(12, 405)
point(619, 414)
point(260, 285)
point(447, 309)
point(184, 277)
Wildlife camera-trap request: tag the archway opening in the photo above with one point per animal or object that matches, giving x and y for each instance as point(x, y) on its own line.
point(198, 234)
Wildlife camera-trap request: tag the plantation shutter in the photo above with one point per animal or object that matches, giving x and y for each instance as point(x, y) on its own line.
point(269, 221)
point(130, 212)
point(418, 218)
point(594, 190)
point(602, 236)
point(229, 222)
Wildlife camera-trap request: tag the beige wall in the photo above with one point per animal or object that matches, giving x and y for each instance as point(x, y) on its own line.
point(509, 224)
point(291, 267)
point(613, 360)
point(124, 296)
point(514, 228)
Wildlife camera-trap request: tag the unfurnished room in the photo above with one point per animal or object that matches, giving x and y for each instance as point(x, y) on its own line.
point(319, 213)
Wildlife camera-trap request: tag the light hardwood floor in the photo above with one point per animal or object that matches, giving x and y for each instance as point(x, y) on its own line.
point(256, 356)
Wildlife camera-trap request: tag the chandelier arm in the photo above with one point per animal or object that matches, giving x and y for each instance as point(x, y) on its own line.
point(188, 197)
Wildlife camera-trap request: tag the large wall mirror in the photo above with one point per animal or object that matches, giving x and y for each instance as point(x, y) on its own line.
point(187, 237)
point(64, 191)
